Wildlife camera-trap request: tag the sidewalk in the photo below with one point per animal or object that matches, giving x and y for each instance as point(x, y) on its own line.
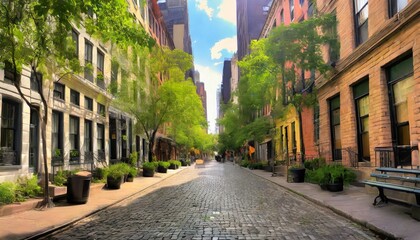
point(355, 203)
point(32, 223)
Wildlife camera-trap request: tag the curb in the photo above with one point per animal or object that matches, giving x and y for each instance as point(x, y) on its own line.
point(60, 228)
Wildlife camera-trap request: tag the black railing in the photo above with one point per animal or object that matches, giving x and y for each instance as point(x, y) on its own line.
point(395, 156)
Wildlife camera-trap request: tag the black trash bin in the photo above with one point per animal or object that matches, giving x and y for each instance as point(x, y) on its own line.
point(78, 186)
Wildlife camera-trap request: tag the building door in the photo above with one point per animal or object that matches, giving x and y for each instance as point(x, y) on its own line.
point(400, 86)
point(113, 138)
point(34, 141)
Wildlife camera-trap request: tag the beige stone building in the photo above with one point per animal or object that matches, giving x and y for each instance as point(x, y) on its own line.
point(83, 128)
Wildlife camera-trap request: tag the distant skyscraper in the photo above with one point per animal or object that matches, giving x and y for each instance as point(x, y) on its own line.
point(226, 81)
point(250, 18)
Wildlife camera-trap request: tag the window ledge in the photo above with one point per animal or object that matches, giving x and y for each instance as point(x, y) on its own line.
point(7, 168)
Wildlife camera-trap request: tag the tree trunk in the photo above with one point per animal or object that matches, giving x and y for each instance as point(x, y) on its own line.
point(46, 203)
point(302, 142)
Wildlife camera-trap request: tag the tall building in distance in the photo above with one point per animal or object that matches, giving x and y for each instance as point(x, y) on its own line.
point(226, 82)
point(201, 92)
point(250, 18)
point(175, 15)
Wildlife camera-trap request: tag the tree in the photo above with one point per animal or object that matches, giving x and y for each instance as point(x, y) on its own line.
point(37, 34)
point(297, 49)
point(170, 100)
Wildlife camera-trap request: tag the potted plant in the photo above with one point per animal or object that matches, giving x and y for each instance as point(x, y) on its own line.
point(74, 156)
point(339, 176)
point(163, 166)
point(297, 173)
point(131, 174)
point(148, 169)
point(115, 175)
point(174, 164)
point(57, 159)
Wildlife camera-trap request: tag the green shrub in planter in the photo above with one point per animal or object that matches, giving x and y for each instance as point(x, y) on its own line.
point(149, 169)
point(188, 161)
point(132, 173)
point(133, 159)
point(314, 163)
point(244, 163)
point(163, 166)
point(60, 178)
point(7, 192)
point(99, 174)
point(114, 176)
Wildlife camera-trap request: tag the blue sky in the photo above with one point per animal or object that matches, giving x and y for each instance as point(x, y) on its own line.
point(213, 36)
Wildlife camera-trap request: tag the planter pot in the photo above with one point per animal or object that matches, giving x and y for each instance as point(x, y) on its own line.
point(183, 163)
point(268, 168)
point(335, 187)
point(173, 166)
point(114, 183)
point(323, 186)
point(148, 173)
point(130, 178)
point(298, 175)
point(162, 169)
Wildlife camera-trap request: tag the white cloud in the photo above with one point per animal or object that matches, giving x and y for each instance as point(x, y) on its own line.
point(228, 44)
point(212, 80)
point(217, 63)
point(203, 5)
point(227, 11)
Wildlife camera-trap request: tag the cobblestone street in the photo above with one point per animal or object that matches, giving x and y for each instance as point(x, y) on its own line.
point(219, 201)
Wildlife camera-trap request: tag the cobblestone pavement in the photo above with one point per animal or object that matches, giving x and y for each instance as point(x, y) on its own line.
point(219, 201)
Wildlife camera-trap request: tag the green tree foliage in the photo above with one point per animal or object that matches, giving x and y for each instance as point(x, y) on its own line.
point(37, 34)
point(168, 98)
point(275, 73)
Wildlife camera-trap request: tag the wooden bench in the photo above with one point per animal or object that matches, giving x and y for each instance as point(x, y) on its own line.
point(381, 182)
point(199, 162)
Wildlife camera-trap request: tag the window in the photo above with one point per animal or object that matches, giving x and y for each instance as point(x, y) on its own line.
point(361, 97)
point(361, 20)
point(100, 70)
point(335, 127)
point(100, 62)
point(75, 97)
point(292, 9)
point(9, 72)
point(100, 137)
point(310, 9)
point(74, 133)
point(401, 84)
point(75, 37)
point(114, 77)
point(88, 136)
point(88, 103)
point(57, 134)
point(396, 6)
point(293, 129)
point(316, 123)
point(101, 109)
point(10, 115)
point(35, 79)
point(88, 60)
point(282, 17)
point(59, 90)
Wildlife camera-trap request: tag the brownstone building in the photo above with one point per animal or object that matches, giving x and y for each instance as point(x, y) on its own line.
point(370, 105)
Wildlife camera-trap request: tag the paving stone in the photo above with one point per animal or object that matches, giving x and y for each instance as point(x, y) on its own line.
point(220, 201)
